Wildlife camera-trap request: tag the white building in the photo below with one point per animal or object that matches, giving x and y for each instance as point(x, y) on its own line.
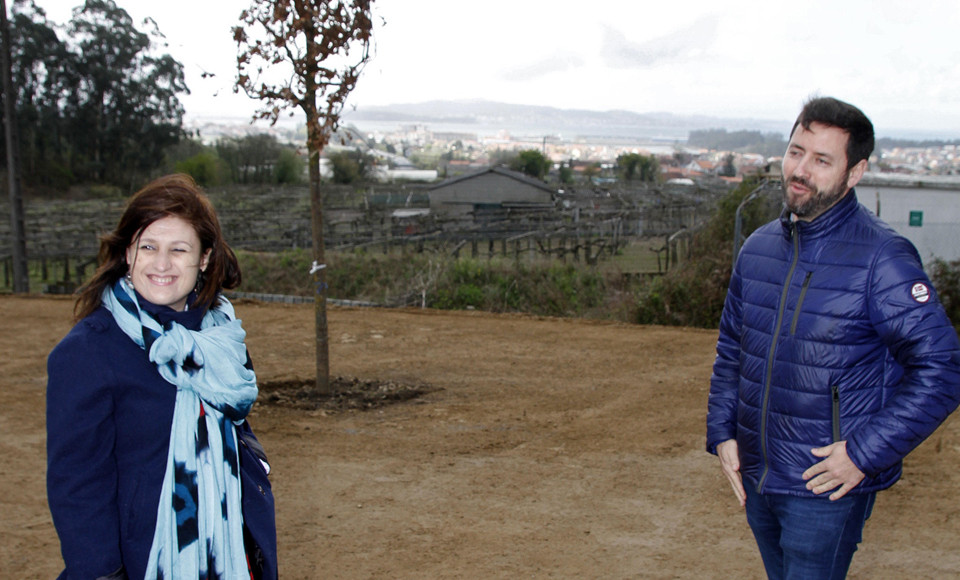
point(923, 208)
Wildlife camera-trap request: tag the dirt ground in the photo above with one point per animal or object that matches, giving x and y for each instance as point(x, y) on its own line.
point(552, 449)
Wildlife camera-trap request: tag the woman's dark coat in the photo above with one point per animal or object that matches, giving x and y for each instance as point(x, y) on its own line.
point(109, 414)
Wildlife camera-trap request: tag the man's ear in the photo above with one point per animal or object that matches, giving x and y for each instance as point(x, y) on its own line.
point(856, 173)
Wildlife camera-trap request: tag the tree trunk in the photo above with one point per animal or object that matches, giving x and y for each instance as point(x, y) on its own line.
point(319, 277)
point(21, 278)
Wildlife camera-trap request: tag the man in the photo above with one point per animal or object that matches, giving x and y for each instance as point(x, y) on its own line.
point(835, 358)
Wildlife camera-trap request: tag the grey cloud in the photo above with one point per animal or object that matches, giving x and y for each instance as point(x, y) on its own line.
point(677, 46)
point(553, 64)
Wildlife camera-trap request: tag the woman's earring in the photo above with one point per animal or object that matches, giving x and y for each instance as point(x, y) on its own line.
point(199, 285)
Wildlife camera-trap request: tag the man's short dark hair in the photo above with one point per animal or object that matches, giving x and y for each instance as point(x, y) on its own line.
point(836, 113)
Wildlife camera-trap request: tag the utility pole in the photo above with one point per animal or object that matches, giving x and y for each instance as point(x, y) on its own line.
point(21, 280)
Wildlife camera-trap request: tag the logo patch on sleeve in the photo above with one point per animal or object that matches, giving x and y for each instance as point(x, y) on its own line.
point(920, 292)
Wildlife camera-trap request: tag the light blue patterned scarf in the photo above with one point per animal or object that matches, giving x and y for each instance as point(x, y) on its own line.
point(199, 530)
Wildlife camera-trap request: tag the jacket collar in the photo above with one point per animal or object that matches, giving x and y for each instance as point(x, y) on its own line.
point(825, 222)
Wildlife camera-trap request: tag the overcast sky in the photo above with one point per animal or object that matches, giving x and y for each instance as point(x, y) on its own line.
point(898, 61)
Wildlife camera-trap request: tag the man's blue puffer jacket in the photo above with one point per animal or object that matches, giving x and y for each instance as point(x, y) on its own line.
point(830, 331)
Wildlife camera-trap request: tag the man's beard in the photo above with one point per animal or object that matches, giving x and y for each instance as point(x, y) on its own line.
point(819, 200)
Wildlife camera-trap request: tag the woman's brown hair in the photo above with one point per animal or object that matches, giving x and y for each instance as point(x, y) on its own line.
point(169, 196)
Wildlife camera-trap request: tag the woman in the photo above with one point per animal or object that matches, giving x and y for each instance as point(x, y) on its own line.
point(153, 470)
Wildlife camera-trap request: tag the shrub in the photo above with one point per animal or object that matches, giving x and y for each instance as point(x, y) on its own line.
point(548, 290)
point(202, 167)
point(349, 276)
point(946, 279)
point(430, 279)
point(104, 192)
point(468, 296)
point(290, 167)
point(283, 273)
point(692, 294)
point(532, 163)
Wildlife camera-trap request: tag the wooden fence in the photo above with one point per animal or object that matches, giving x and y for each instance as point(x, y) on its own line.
point(63, 235)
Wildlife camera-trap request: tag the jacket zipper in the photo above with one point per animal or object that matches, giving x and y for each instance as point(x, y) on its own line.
point(835, 391)
point(795, 237)
point(803, 295)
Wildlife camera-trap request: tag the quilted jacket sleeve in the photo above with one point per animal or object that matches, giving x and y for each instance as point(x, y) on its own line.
point(724, 384)
point(910, 320)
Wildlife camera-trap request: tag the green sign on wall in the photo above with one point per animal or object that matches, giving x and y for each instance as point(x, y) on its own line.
point(916, 219)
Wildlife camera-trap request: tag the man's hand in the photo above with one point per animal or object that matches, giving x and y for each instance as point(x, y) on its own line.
point(730, 463)
point(836, 470)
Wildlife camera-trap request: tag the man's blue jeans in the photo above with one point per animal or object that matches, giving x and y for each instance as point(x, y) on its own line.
point(807, 538)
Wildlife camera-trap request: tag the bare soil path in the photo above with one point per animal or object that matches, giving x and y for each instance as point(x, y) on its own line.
point(552, 449)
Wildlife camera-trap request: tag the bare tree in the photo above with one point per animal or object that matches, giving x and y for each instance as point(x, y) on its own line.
point(321, 47)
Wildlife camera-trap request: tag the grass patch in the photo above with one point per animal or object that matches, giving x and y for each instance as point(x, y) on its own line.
point(433, 280)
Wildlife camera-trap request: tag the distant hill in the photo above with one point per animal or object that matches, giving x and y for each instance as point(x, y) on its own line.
point(489, 117)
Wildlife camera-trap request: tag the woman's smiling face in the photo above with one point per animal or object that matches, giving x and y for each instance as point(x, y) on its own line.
point(165, 261)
